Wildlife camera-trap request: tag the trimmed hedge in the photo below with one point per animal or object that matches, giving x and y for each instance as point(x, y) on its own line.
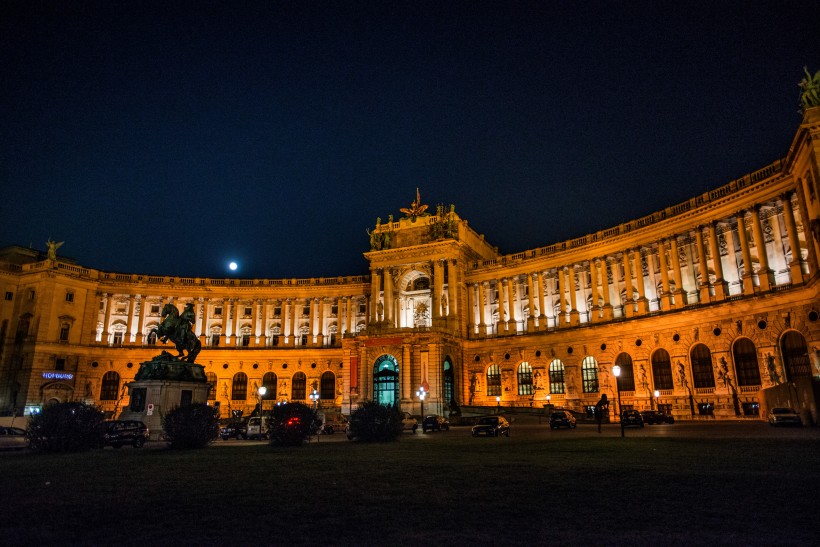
point(191, 426)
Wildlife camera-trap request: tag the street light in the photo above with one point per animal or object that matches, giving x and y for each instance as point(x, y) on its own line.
point(498, 404)
point(657, 401)
point(421, 394)
point(315, 398)
point(262, 390)
point(616, 372)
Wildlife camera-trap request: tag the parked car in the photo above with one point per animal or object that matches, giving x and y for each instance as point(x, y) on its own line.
point(333, 423)
point(491, 426)
point(233, 428)
point(434, 422)
point(562, 418)
point(651, 417)
point(408, 421)
point(631, 417)
point(117, 433)
point(257, 428)
point(12, 438)
point(784, 416)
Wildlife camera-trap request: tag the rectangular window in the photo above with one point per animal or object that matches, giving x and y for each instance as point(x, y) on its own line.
point(304, 339)
point(138, 396)
point(334, 309)
point(214, 340)
point(117, 338)
point(9, 295)
point(121, 308)
point(706, 409)
point(59, 364)
point(64, 333)
point(277, 311)
point(246, 340)
point(332, 339)
point(665, 408)
point(248, 311)
point(751, 409)
point(362, 308)
point(31, 294)
point(274, 341)
point(305, 310)
point(218, 311)
point(102, 305)
point(155, 309)
point(69, 297)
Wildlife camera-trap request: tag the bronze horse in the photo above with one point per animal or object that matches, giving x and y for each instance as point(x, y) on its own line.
point(178, 329)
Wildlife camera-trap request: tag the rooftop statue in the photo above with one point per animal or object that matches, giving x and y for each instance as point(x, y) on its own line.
point(178, 328)
point(52, 248)
point(810, 96)
point(416, 208)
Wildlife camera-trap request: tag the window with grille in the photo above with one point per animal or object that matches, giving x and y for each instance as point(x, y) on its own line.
point(239, 387)
point(589, 375)
point(662, 370)
point(795, 356)
point(747, 368)
point(211, 378)
point(702, 369)
point(110, 386)
point(557, 376)
point(493, 380)
point(524, 379)
point(627, 379)
point(298, 387)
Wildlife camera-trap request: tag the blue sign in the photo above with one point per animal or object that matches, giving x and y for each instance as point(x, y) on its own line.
point(58, 375)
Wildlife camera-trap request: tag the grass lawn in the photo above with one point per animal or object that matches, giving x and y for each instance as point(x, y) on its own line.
point(450, 490)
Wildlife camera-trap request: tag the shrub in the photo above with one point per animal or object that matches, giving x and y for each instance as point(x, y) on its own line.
point(374, 422)
point(65, 427)
point(292, 424)
point(191, 426)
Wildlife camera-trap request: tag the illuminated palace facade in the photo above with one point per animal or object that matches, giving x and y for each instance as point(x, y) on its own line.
point(707, 303)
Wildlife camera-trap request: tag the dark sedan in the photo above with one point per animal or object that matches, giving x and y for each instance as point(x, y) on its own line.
point(435, 423)
point(631, 418)
point(491, 426)
point(562, 418)
point(651, 417)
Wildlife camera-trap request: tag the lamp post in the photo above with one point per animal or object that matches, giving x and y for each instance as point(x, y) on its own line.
point(498, 404)
point(261, 391)
point(616, 372)
point(314, 396)
point(657, 401)
point(421, 394)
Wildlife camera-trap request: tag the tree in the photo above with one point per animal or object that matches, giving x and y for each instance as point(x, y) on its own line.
point(66, 427)
point(191, 426)
point(374, 422)
point(291, 424)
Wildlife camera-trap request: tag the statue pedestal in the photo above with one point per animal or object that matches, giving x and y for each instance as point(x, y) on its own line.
point(161, 385)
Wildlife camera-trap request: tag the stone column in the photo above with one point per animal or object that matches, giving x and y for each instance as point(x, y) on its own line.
point(263, 336)
point(406, 371)
point(502, 321)
point(680, 293)
point(388, 297)
point(562, 304)
point(643, 303)
point(235, 325)
point(223, 337)
point(748, 268)
point(608, 314)
point(703, 290)
point(574, 316)
point(375, 288)
point(471, 308)
point(482, 310)
point(141, 321)
point(438, 287)
point(295, 314)
point(452, 288)
point(795, 271)
point(202, 317)
point(351, 315)
point(511, 282)
point(130, 320)
point(312, 303)
point(531, 296)
point(629, 304)
point(320, 322)
point(765, 275)
point(721, 289)
point(666, 302)
point(107, 321)
point(542, 302)
point(595, 311)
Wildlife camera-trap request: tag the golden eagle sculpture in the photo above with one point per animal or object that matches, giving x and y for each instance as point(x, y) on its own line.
point(416, 208)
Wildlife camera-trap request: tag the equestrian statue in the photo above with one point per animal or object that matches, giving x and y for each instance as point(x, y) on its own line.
point(177, 327)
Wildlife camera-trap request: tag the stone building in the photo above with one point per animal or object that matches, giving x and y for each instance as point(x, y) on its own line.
point(704, 306)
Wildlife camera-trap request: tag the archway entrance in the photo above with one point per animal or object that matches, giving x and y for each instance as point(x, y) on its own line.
point(386, 380)
point(448, 379)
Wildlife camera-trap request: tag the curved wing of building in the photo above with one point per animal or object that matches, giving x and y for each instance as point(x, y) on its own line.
point(709, 309)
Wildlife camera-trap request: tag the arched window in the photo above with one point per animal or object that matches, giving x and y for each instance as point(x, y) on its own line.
point(795, 356)
point(239, 389)
point(524, 379)
point(556, 376)
point(662, 370)
point(269, 380)
point(110, 386)
point(449, 381)
point(702, 370)
point(386, 380)
point(211, 378)
point(746, 365)
point(327, 386)
point(589, 374)
point(627, 379)
point(493, 380)
point(298, 389)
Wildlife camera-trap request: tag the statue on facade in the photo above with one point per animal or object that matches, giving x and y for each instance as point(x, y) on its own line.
point(178, 328)
point(416, 209)
point(810, 94)
point(52, 248)
point(771, 366)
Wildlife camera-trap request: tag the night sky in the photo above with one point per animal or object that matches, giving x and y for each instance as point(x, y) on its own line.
point(171, 140)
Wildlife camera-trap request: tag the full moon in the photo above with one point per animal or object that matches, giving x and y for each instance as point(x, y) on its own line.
point(232, 266)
